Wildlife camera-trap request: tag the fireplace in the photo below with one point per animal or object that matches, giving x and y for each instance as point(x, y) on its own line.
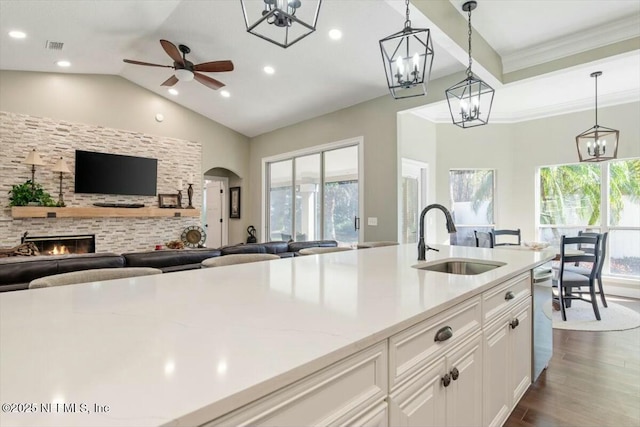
point(60, 245)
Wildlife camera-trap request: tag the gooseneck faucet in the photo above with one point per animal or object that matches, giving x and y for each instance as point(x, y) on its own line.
point(451, 228)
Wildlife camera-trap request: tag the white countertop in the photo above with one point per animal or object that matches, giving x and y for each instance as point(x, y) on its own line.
point(184, 348)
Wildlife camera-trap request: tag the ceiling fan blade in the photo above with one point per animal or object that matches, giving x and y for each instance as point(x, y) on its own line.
point(172, 51)
point(214, 66)
point(131, 61)
point(208, 81)
point(170, 81)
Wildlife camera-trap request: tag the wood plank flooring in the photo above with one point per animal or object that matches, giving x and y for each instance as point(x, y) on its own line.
point(593, 379)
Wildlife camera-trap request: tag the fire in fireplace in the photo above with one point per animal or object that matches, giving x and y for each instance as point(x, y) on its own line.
point(59, 245)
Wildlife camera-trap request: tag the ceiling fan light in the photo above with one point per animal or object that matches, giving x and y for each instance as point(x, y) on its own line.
point(184, 75)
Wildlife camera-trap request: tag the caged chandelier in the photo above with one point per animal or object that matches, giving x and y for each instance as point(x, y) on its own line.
point(592, 143)
point(470, 100)
point(281, 22)
point(407, 56)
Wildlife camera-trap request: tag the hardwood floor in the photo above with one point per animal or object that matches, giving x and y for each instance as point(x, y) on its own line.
point(593, 379)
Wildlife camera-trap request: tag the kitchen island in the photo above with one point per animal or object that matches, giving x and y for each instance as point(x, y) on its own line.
point(225, 345)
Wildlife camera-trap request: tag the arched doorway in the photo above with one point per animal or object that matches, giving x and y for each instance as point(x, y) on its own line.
point(217, 182)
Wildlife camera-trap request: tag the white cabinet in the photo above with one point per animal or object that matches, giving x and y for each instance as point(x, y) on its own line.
point(447, 392)
point(507, 362)
point(349, 392)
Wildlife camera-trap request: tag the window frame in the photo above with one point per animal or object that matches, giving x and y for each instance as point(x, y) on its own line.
point(604, 222)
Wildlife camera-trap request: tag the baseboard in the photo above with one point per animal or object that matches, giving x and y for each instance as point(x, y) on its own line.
point(622, 287)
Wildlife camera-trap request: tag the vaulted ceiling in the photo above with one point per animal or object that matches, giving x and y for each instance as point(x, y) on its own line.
point(537, 54)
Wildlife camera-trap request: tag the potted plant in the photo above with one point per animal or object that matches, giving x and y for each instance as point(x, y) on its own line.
point(29, 193)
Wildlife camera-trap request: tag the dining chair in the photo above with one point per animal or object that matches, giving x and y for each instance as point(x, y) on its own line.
point(483, 239)
point(571, 285)
point(232, 259)
point(95, 275)
point(509, 236)
point(577, 268)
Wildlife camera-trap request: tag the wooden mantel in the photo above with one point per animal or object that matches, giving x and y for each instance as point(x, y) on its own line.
point(99, 212)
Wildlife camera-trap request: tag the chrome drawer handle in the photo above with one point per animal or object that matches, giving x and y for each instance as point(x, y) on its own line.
point(444, 334)
point(509, 295)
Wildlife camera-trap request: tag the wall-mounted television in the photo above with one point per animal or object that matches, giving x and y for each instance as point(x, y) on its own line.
point(102, 173)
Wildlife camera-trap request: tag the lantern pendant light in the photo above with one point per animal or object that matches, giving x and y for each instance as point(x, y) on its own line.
point(407, 57)
point(470, 100)
point(598, 143)
point(281, 22)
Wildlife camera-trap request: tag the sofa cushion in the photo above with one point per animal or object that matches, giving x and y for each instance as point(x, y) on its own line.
point(169, 259)
point(276, 247)
point(17, 272)
point(250, 248)
point(296, 246)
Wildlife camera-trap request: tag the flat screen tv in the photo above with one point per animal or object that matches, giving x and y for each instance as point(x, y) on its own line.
point(102, 173)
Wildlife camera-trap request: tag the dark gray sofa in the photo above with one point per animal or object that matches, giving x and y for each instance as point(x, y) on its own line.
point(16, 272)
point(169, 260)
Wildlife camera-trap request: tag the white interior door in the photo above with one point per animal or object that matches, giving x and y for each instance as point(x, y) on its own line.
point(217, 221)
point(413, 199)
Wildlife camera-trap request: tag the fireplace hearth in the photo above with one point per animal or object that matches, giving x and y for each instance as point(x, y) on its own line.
point(60, 245)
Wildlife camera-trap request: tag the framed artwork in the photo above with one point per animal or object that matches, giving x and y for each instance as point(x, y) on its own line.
point(234, 204)
point(168, 200)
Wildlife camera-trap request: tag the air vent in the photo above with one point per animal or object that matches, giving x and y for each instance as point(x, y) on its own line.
point(54, 45)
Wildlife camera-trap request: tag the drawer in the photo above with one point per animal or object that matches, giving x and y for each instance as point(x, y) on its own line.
point(505, 296)
point(414, 347)
point(333, 396)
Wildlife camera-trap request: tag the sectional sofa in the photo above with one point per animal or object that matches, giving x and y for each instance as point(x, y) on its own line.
point(16, 272)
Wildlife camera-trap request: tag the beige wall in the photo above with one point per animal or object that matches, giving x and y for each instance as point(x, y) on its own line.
point(518, 150)
point(114, 102)
point(375, 121)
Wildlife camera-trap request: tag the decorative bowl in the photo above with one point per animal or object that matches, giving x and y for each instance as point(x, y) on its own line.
point(537, 246)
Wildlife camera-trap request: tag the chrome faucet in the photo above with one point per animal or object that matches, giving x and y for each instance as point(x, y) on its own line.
point(451, 228)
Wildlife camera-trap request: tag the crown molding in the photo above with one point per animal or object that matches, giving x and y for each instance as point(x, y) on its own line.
point(437, 114)
point(599, 36)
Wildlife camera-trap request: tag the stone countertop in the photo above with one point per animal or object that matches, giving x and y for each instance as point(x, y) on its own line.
point(187, 347)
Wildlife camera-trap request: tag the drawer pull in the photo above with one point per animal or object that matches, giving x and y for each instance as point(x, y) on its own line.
point(509, 295)
point(514, 323)
point(444, 334)
point(455, 374)
point(446, 380)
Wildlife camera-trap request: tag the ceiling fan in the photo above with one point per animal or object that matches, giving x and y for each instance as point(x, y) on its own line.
point(186, 70)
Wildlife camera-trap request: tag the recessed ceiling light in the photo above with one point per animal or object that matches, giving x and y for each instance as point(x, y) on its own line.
point(159, 117)
point(269, 69)
point(17, 34)
point(173, 91)
point(63, 64)
point(225, 93)
point(335, 34)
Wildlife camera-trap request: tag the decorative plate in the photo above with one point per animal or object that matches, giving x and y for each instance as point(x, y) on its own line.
point(193, 236)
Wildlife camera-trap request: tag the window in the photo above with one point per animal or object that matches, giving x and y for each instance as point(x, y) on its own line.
point(472, 203)
point(316, 194)
point(603, 197)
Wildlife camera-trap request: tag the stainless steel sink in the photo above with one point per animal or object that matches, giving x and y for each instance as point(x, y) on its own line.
point(467, 267)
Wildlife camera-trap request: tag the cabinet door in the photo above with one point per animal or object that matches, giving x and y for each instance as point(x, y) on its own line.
point(421, 400)
point(496, 383)
point(378, 416)
point(464, 394)
point(520, 351)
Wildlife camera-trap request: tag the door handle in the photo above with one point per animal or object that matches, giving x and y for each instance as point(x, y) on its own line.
point(356, 223)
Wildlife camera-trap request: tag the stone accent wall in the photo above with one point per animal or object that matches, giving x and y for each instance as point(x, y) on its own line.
point(54, 139)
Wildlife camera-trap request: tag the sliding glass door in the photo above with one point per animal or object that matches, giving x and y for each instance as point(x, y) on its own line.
point(315, 194)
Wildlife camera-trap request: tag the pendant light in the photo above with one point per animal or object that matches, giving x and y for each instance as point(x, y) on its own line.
point(407, 57)
point(281, 22)
point(470, 100)
point(595, 143)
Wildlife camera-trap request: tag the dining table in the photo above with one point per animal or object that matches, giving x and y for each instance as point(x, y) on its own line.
point(554, 249)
